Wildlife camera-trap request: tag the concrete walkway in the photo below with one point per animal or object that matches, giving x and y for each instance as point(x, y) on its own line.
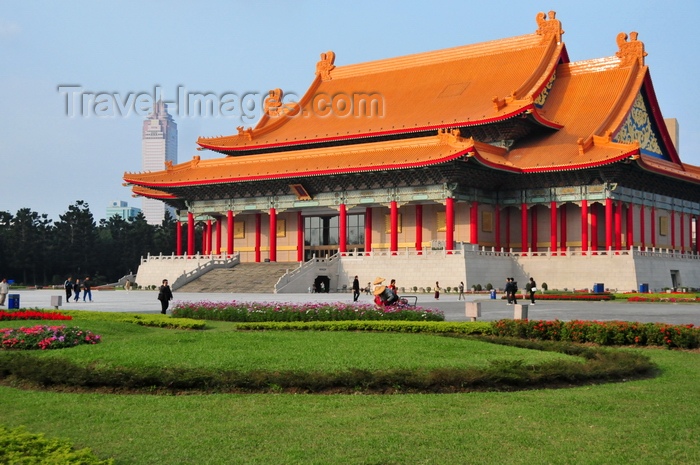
point(146, 302)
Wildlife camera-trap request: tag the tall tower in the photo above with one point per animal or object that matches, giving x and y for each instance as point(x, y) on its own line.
point(158, 145)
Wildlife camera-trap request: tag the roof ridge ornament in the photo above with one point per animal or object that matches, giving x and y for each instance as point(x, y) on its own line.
point(449, 136)
point(273, 102)
point(630, 52)
point(247, 132)
point(325, 65)
point(549, 28)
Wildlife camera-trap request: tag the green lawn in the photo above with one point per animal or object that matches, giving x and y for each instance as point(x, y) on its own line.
point(650, 421)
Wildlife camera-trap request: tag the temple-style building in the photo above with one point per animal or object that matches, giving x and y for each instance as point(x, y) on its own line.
point(472, 164)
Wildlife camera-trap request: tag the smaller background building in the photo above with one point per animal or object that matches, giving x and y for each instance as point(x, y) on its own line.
point(121, 208)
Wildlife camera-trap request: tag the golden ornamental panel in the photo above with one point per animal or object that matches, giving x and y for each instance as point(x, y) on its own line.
point(387, 224)
point(487, 221)
point(663, 226)
point(239, 230)
point(281, 228)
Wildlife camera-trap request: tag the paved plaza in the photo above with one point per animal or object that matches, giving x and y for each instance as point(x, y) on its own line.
point(146, 302)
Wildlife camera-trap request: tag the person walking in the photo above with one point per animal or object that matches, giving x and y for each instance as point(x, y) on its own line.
point(355, 289)
point(165, 295)
point(437, 290)
point(76, 289)
point(511, 289)
point(4, 290)
point(461, 291)
point(533, 288)
point(87, 292)
point(506, 289)
point(68, 286)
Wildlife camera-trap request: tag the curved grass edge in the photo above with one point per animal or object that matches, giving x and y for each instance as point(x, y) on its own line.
point(600, 365)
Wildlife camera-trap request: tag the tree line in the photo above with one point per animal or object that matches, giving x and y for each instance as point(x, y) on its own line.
point(37, 251)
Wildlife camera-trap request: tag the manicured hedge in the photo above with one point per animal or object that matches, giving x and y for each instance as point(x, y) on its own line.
point(602, 332)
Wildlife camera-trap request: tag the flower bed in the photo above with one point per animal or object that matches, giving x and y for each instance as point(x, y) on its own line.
point(276, 311)
point(32, 315)
point(602, 332)
point(45, 337)
point(663, 299)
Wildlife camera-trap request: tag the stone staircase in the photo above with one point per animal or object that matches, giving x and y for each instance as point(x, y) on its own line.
point(242, 278)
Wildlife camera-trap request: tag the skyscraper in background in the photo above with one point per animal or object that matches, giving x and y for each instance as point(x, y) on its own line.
point(158, 145)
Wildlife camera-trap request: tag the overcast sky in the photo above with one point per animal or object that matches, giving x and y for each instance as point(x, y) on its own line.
point(55, 150)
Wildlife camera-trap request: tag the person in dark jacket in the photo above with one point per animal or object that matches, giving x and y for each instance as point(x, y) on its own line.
point(68, 286)
point(76, 289)
point(532, 288)
point(165, 295)
point(355, 289)
point(87, 292)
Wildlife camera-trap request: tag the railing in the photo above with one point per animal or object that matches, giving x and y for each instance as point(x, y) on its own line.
point(473, 250)
point(405, 252)
point(174, 257)
point(291, 276)
point(213, 262)
point(635, 251)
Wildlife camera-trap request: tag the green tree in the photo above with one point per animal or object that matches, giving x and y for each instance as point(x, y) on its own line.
point(5, 225)
point(28, 245)
point(165, 235)
point(76, 240)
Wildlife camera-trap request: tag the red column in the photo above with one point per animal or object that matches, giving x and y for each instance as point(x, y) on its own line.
point(450, 223)
point(473, 223)
point(584, 226)
point(210, 237)
point(219, 220)
point(394, 246)
point(523, 228)
point(497, 214)
point(641, 226)
point(229, 233)
point(419, 229)
point(618, 225)
point(690, 233)
point(673, 230)
point(368, 229)
point(682, 226)
point(533, 221)
point(178, 238)
point(594, 229)
point(257, 237)
point(343, 228)
point(553, 227)
point(300, 237)
point(508, 228)
point(697, 236)
point(204, 240)
point(273, 235)
point(653, 226)
point(562, 226)
point(190, 233)
point(608, 224)
point(630, 226)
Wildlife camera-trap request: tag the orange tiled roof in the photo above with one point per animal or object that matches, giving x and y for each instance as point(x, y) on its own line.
point(387, 155)
point(468, 85)
point(590, 100)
